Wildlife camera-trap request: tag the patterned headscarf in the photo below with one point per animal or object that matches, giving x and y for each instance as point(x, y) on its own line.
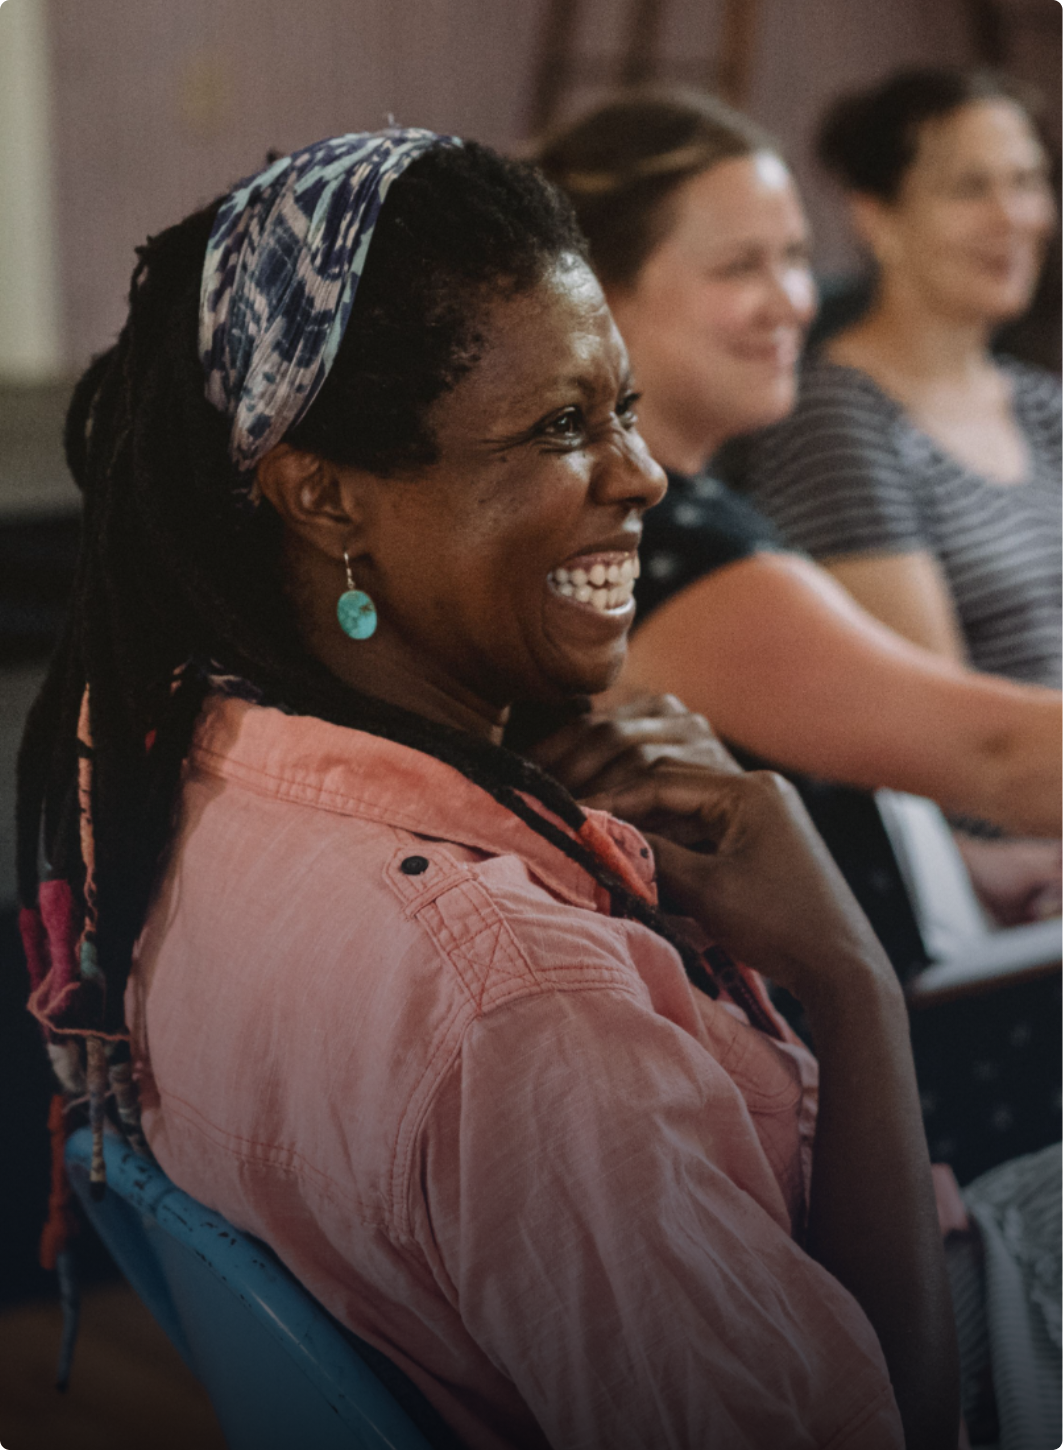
point(283, 263)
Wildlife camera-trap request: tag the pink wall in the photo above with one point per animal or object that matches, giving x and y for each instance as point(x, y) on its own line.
point(159, 104)
point(810, 52)
point(804, 53)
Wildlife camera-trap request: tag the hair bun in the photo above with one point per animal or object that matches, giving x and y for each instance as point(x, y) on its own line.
point(869, 139)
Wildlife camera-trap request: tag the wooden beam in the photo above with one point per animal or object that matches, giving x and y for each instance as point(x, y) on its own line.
point(643, 35)
point(988, 27)
point(554, 70)
point(734, 66)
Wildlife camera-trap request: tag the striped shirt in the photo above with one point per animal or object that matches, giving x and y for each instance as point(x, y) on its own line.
point(849, 473)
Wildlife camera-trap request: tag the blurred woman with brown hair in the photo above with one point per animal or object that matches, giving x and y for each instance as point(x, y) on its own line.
point(921, 468)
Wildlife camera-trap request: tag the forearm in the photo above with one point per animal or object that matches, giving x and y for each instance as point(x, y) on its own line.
point(872, 1219)
point(784, 664)
point(769, 893)
point(1018, 770)
point(978, 745)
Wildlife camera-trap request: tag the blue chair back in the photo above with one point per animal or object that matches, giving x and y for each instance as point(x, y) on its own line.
point(279, 1370)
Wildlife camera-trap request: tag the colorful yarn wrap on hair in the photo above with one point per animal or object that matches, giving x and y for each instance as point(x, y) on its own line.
point(68, 993)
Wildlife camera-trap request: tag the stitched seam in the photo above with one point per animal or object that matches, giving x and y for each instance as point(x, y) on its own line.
point(478, 900)
point(297, 791)
point(411, 1128)
point(412, 897)
point(759, 1101)
point(301, 791)
point(255, 1153)
point(505, 943)
point(404, 1149)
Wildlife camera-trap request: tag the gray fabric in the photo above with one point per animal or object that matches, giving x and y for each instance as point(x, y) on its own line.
point(848, 473)
point(966, 1271)
point(1016, 1209)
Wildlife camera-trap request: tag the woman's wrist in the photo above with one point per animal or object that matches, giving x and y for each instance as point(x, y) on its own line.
point(849, 993)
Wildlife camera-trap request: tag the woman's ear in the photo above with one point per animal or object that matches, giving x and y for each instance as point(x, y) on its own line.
point(305, 490)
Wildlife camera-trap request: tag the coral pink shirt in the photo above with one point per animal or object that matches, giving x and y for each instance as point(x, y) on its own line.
point(386, 1027)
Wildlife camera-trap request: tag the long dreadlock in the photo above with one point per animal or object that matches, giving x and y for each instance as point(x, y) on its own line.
point(179, 575)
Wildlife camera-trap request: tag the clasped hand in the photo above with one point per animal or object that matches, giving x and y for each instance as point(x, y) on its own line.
point(735, 849)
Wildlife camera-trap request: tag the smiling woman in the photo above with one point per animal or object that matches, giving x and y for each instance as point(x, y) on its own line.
point(393, 1000)
point(920, 467)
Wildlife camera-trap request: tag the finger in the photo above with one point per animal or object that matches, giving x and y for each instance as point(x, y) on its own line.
point(553, 748)
point(679, 790)
point(577, 735)
point(651, 755)
point(580, 752)
point(648, 706)
point(683, 874)
point(583, 750)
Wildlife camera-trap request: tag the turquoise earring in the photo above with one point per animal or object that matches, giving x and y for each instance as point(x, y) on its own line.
point(355, 611)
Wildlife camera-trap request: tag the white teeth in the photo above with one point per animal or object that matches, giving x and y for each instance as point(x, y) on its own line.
point(603, 586)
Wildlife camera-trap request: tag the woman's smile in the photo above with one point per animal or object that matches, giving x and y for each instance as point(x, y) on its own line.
point(605, 581)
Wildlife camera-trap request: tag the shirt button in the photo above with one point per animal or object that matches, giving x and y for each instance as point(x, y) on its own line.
point(413, 865)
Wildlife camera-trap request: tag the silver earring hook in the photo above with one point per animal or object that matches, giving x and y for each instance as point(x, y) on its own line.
point(347, 566)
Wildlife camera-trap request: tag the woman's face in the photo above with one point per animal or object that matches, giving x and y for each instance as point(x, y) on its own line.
point(968, 229)
point(504, 571)
point(717, 315)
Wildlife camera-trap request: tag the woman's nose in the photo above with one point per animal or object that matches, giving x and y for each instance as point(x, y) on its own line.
point(792, 298)
point(1023, 209)
point(629, 474)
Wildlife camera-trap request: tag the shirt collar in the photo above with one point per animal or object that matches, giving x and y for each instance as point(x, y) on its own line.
point(333, 768)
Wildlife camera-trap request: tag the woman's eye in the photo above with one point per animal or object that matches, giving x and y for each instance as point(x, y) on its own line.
point(1034, 180)
point(740, 267)
point(627, 409)
point(568, 427)
point(969, 188)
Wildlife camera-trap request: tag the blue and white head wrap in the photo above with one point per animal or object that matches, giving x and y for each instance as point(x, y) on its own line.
point(283, 263)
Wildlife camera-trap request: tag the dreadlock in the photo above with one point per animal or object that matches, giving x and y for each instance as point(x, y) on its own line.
point(179, 575)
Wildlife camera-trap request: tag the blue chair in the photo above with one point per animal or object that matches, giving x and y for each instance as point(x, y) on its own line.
point(280, 1372)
